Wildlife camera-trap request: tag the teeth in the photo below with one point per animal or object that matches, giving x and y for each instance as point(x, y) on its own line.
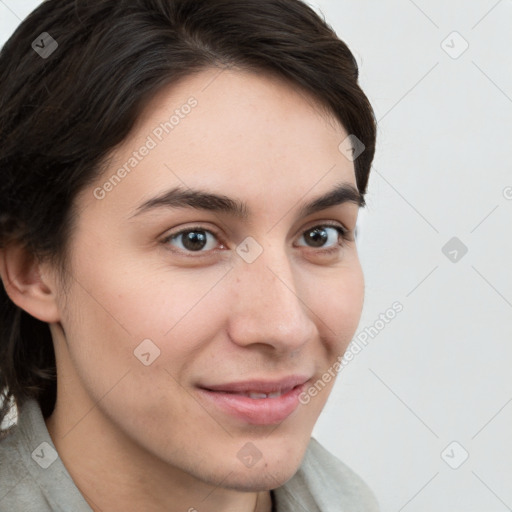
point(257, 396)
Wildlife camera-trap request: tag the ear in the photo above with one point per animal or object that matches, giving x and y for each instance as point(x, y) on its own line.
point(23, 280)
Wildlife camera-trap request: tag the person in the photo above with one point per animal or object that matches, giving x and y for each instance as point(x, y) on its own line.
point(180, 182)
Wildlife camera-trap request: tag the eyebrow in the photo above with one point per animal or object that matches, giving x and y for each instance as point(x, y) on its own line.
point(203, 200)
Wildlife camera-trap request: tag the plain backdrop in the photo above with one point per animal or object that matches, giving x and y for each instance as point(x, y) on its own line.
point(423, 412)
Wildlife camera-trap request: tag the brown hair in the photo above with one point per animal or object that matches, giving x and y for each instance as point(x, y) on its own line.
point(61, 114)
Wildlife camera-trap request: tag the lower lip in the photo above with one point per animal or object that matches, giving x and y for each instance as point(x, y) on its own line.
point(256, 411)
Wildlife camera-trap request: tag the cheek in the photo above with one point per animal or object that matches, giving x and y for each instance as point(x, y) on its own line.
point(147, 298)
point(338, 302)
point(110, 313)
point(114, 307)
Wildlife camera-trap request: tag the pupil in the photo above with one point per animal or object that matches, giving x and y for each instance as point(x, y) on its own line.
point(318, 236)
point(194, 240)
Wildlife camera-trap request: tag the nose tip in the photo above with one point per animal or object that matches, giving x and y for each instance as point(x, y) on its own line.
point(268, 309)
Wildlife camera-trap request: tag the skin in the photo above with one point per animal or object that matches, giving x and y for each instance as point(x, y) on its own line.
point(136, 437)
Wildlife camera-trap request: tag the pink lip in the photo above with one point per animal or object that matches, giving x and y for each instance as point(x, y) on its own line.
point(260, 386)
point(257, 411)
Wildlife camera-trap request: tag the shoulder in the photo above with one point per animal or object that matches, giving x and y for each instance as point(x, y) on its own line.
point(32, 476)
point(17, 489)
point(324, 483)
point(341, 477)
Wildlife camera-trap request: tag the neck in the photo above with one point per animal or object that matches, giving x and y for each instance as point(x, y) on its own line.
point(110, 477)
point(115, 472)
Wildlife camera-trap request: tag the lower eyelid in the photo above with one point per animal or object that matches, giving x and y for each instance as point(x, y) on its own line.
point(343, 232)
point(177, 235)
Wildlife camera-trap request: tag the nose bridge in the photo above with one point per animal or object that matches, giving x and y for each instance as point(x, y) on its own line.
point(267, 306)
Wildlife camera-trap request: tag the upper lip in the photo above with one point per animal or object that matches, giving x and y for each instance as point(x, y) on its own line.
point(259, 386)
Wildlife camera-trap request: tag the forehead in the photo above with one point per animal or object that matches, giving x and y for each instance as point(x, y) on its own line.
point(247, 135)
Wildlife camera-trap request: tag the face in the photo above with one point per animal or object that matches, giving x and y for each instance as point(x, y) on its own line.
point(175, 296)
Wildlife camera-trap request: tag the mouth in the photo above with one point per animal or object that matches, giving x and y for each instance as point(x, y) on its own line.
point(256, 402)
point(258, 396)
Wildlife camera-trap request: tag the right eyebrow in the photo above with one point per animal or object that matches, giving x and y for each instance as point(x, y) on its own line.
point(204, 200)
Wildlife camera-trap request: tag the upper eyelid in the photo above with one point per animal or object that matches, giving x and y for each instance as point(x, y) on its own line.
point(333, 224)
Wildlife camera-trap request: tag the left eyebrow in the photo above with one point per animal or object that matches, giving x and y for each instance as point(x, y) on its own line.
point(343, 193)
point(203, 200)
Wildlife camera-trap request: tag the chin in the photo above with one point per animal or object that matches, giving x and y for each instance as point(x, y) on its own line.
point(260, 478)
point(275, 467)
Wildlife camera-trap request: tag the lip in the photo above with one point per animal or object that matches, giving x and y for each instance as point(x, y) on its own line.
point(256, 411)
point(258, 385)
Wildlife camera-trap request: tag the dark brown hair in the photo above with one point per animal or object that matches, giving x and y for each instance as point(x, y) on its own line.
point(62, 115)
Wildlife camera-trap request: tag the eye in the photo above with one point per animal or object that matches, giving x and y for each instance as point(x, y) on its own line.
point(324, 236)
point(193, 239)
point(197, 239)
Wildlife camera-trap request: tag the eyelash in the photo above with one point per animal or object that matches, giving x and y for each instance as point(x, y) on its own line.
point(342, 232)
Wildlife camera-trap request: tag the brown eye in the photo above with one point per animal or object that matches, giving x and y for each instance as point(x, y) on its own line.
point(316, 237)
point(319, 236)
point(193, 239)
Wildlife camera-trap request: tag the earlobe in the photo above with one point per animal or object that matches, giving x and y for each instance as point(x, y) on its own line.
point(21, 274)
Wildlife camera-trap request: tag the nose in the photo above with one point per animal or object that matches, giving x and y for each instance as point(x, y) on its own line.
point(269, 305)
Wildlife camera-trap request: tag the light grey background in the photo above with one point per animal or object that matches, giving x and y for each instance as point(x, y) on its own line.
point(438, 372)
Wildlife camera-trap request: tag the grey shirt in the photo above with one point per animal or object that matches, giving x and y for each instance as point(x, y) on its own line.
point(33, 478)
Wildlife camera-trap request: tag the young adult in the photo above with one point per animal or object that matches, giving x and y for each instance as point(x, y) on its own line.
point(179, 188)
